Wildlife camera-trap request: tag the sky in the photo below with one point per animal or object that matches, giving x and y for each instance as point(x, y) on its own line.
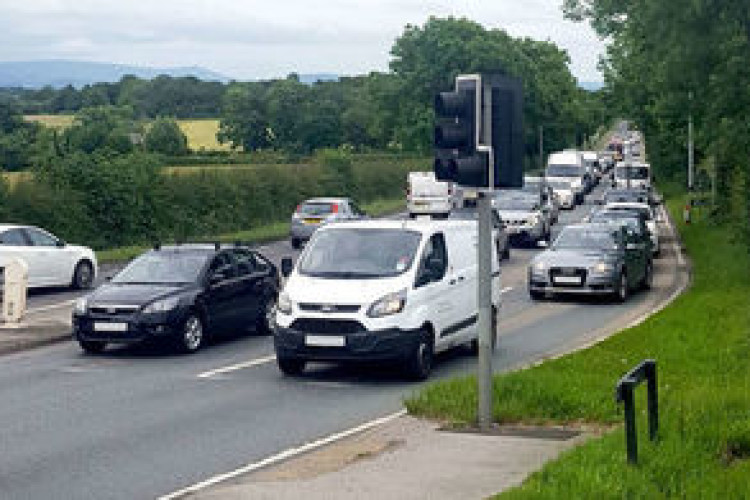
point(249, 39)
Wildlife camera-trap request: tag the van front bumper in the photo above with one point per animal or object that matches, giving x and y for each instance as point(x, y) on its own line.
point(370, 345)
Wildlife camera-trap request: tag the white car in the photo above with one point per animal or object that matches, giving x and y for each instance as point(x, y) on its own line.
point(429, 196)
point(651, 219)
point(379, 291)
point(565, 194)
point(50, 260)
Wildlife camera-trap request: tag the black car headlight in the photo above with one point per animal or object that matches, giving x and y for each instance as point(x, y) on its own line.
point(161, 306)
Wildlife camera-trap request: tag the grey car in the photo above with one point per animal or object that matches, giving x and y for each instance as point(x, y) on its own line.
point(526, 221)
point(315, 212)
point(592, 259)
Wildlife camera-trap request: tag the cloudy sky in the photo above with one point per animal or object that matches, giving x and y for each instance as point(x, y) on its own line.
point(250, 39)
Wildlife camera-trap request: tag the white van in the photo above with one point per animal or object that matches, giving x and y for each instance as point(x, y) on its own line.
point(568, 166)
point(381, 290)
point(632, 175)
point(429, 196)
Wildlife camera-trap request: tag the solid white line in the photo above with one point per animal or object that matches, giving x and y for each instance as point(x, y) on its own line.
point(506, 289)
point(52, 306)
point(238, 366)
point(284, 455)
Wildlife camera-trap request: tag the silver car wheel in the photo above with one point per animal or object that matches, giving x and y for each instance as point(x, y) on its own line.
point(192, 334)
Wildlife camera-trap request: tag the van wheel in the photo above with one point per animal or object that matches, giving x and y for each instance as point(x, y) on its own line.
point(419, 361)
point(296, 243)
point(648, 278)
point(291, 366)
point(506, 252)
point(83, 276)
point(473, 346)
point(92, 346)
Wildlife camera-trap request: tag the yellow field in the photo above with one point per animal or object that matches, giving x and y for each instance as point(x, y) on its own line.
point(13, 178)
point(201, 134)
point(54, 121)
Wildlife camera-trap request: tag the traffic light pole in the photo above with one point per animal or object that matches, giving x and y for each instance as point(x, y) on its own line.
point(484, 291)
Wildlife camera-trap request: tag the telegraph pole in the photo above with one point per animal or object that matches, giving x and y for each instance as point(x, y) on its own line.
point(541, 148)
point(691, 146)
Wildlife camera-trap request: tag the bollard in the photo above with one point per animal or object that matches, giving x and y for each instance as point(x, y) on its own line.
point(15, 282)
point(624, 394)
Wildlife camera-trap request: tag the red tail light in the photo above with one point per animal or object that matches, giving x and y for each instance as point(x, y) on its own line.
point(334, 209)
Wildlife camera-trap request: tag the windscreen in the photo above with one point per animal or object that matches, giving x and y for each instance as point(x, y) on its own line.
point(564, 171)
point(585, 238)
point(630, 172)
point(623, 218)
point(163, 267)
point(625, 196)
point(516, 204)
point(644, 211)
point(316, 209)
point(560, 185)
point(360, 253)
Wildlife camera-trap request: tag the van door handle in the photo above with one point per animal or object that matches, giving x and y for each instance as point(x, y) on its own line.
point(460, 278)
point(452, 282)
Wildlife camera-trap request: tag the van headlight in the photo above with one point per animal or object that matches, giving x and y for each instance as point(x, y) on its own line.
point(539, 267)
point(81, 305)
point(284, 304)
point(392, 303)
point(161, 306)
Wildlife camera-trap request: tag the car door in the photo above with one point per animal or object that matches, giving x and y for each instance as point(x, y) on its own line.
point(14, 243)
point(221, 292)
point(253, 286)
point(434, 287)
point(634, 250)
point(56, 262)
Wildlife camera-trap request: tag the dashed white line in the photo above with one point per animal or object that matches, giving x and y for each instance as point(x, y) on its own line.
point(506, 289)
point(238, 366)
point(284, 455)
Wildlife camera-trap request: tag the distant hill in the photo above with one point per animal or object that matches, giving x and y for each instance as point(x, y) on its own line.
point(318, 77)
point(59, 73)
point(591, 86)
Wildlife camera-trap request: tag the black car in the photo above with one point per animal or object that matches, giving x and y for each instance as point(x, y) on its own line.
point(179, 294)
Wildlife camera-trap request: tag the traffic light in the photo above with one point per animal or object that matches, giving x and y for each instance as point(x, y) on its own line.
point(479, 132)
point(456, 156)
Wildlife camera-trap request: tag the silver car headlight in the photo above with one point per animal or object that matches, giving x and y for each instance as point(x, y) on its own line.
point(392, 303)
point(284, 304)
point(162, 306)
point(603, 267)
point(81, 305)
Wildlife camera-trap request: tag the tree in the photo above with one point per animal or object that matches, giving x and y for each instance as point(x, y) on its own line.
point(245, 121)
point(165, 137)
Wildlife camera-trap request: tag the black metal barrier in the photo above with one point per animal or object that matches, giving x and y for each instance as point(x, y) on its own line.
point(624, 394)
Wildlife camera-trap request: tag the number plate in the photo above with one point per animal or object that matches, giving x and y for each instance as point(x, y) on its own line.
point(110, 327)
point(324, 341)
point(312, 221)
point(568, 280)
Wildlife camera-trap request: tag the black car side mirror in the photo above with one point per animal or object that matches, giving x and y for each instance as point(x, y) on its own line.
point(286, 266)
point(60, 243)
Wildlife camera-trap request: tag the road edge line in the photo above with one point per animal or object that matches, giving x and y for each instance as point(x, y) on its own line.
point(282, 456)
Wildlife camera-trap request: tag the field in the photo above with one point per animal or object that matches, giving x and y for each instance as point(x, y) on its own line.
point(201, 134)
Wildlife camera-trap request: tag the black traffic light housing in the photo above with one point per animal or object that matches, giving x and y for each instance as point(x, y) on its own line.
point(465, 152)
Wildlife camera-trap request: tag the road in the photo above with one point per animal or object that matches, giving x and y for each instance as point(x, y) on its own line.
point(140, 422)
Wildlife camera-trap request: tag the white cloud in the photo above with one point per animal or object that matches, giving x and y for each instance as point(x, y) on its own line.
point(255, 39)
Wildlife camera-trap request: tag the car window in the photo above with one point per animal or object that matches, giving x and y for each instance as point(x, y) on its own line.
point(222, 264)
point(434, 252)
point(13, 237)
point(246, 262)
point(40, 239)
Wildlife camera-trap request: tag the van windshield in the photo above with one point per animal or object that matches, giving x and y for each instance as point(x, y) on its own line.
point(563, 171)
point(638, 173)
point(348, 253)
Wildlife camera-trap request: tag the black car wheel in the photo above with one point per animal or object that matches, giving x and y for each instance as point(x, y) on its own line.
point(536, 295)
point(83, 276)
point(191, 334)
point(296, 243)
point(506, 252)
point(648, 278)
point(290, 366)
point(264, 322)
point(92, 346)
point(623, 290)
point(419, 361)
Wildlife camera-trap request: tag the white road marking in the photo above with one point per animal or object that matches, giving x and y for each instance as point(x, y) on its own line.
point(284, 455)
point(51, 306)
point(238, 366)
point(506, 289)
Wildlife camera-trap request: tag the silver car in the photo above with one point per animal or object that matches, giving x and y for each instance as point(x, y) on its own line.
point(315, 212)
point(525, 220)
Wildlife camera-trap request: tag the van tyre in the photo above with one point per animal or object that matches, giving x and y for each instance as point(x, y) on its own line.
point(191, 335)
point(291, 366)
point(83, 276)
point(536, 295)
point(419, 360)
point(92, 346)
point(296, 243)
point(648, 278)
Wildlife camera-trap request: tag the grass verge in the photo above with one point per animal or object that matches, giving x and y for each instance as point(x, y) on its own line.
point(702, 346)
point(267, 232)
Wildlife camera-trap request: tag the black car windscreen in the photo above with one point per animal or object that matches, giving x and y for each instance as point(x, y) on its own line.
point(162, 267)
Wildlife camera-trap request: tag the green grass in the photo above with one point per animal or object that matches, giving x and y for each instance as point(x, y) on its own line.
point(267, 232)
point(702, 347)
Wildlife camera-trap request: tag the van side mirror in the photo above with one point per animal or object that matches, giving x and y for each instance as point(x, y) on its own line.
point(286, 266)
point(60, 243)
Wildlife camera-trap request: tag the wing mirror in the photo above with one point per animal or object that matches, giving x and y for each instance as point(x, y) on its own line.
point(60, 243)
point(286, 266)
